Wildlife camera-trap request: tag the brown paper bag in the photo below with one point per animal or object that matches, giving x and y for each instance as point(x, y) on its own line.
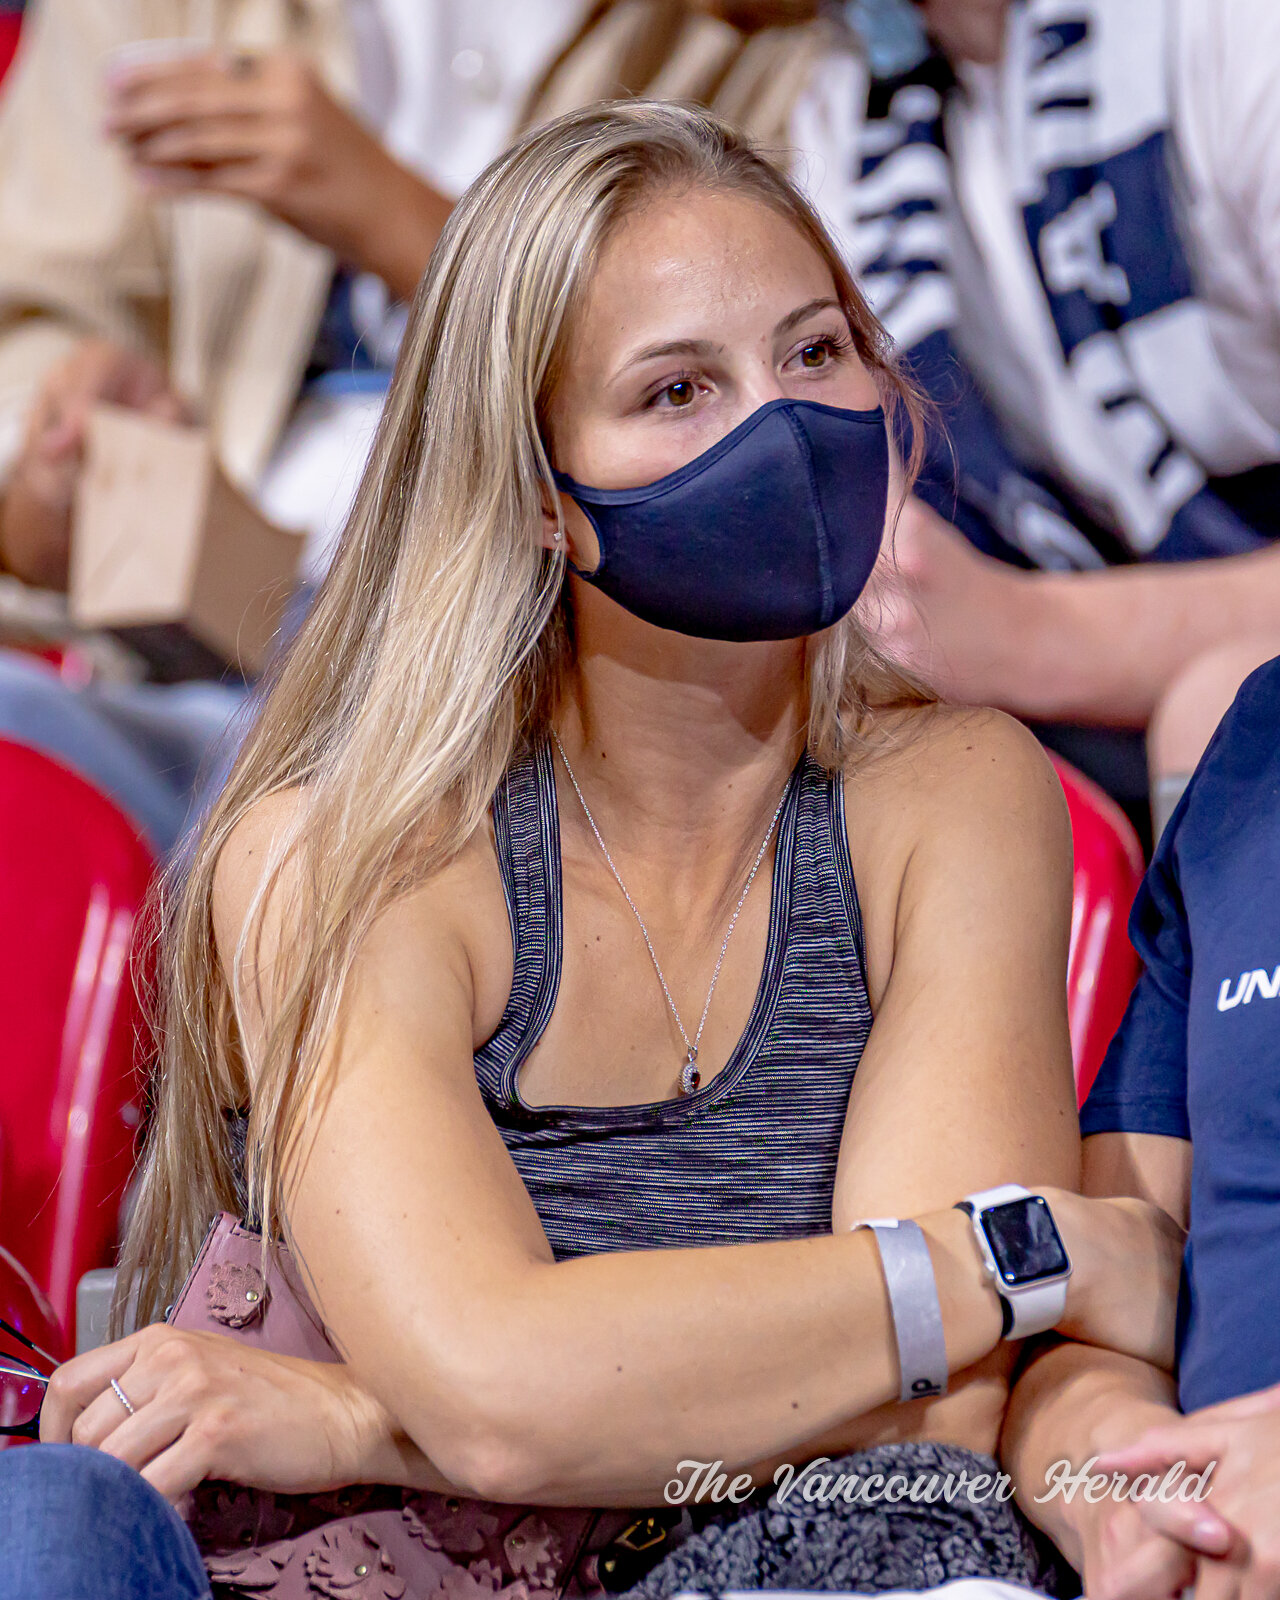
point(168, 552)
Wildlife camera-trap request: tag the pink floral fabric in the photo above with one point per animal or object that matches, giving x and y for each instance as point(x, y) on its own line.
point(448, 1522)
point(236, 1294)
point(347, 1561)
point(378, 1543)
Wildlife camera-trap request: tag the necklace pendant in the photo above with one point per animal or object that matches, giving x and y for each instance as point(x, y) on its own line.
point(690, 1077)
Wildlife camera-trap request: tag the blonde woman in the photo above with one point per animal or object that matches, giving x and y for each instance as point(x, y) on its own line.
point(543, 922)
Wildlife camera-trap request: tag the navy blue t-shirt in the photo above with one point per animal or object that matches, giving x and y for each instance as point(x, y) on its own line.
point(1198, 1054)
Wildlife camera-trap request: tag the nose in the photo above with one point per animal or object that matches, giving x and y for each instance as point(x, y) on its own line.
point(756, 388)
point(763, 384)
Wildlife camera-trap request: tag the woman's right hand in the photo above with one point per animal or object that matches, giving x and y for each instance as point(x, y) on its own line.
point(1126, 1258)
point(203, 1405)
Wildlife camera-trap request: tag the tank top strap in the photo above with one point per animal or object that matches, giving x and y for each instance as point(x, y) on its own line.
point(824, 869)
point(527, 840)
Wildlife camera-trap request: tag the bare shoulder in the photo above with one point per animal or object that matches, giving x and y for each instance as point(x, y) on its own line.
point(251, 848)
point(451, 924)
point(955, 817)
point(942, 768)
point(261, 845)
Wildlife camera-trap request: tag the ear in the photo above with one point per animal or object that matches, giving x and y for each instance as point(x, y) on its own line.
point(567, 530)
point(553, 537)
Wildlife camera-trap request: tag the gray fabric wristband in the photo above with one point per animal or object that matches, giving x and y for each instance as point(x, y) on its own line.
point(913, 1304)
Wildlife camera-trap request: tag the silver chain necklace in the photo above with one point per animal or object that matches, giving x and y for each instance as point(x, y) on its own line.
point(690, 1077)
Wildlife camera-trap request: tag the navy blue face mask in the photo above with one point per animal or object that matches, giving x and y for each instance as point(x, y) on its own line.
point(770, 534)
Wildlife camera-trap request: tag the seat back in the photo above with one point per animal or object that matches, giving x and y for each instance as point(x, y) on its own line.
point(1102, 965)
point(73, 879)
point(10, 24)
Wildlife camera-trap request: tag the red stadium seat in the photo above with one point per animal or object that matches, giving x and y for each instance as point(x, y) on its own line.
point(73, 877)
point(1102, 966)
point(10, 23)
point(25, 1308)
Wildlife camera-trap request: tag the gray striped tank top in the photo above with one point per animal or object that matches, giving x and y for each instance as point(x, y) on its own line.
point(750, 1155)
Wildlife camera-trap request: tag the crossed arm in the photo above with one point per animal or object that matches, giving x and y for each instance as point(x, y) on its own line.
point(738, 1352)
point(478, 1361)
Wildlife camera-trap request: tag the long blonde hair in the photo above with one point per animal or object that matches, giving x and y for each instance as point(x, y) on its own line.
point(436, 646)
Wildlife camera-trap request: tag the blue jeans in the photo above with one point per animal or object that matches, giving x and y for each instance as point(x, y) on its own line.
point(79, 1525)
point(160, 751)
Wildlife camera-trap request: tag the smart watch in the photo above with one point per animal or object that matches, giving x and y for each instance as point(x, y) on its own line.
point(1024, 1254)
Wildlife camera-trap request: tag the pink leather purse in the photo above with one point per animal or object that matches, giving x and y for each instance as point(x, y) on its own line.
point(370, 1542)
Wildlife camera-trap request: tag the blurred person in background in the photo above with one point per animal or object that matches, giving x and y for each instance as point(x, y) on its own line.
point(1184, 1114)
point(233, 238)
point(1068, 211)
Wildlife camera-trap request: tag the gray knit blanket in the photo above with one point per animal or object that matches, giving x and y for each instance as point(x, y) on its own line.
point(791, 1543)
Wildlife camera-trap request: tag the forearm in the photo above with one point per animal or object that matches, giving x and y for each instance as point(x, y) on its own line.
point(383, 1451)
point(1103, 646)
point(629, 1363)
point(969, 1416)
point(1071, 1403)
point(393, 228)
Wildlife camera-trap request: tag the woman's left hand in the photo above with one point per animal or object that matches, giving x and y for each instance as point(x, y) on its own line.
point(206, 1406)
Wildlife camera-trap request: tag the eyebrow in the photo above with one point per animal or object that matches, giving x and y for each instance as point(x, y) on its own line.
point(708, 347)
point(674, 347)
point(793, 319)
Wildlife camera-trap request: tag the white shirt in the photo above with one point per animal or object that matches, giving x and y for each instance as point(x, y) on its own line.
point(1210, 72)
point(1227, 127)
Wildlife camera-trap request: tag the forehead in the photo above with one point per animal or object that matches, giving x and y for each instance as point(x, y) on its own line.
point(696, 264)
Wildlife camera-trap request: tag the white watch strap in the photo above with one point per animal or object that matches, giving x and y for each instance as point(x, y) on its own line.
point(999, 1196)
point(1036, 1307)
point(913, 1305)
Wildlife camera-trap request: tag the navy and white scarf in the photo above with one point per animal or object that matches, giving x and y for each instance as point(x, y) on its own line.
point(1090, 280)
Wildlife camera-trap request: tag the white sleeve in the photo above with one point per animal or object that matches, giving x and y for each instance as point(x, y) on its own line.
point(1227, 124)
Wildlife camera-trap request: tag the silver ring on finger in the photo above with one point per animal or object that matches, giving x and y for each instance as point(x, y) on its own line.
point(122, 1397)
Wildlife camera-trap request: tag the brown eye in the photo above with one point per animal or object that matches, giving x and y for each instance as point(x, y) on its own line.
point(681, 393)
point(814, 355)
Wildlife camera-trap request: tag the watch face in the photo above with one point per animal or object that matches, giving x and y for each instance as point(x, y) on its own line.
point(1024, 1241)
